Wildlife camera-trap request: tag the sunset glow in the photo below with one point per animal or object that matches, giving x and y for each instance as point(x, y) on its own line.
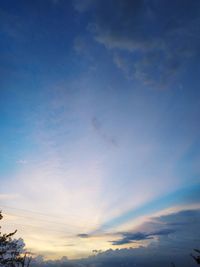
point(99, 117)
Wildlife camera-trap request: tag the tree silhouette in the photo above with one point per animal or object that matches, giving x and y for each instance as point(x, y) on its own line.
point(196, 258)
point(12, 253)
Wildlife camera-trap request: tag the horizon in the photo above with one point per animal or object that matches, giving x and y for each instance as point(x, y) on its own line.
point(100, 133)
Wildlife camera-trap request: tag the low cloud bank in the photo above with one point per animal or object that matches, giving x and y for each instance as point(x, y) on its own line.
point(172, 244)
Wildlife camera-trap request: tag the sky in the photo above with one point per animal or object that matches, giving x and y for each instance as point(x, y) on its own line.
point(99, 128)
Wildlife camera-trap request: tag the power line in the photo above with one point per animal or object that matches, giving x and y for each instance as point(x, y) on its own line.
point(40, 227)
point(36, 219)
point(41, 214)
point(37, 212)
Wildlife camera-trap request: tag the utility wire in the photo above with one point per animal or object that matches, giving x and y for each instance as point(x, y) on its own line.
point(39, 227)
point(37, 219)
point(39, 213)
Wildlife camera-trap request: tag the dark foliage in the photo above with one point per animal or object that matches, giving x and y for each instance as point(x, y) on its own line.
point(197, 257)
point(12, 253)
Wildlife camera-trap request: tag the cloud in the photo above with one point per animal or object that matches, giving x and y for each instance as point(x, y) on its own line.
point(132, 237)
point(183, 195)
point(170, 245)
point(151, 40)
point(83, 235)
point(82, 6)
point(97, 126)
point(170, 242)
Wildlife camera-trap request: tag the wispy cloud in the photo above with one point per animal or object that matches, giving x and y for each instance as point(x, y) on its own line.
point(82, 6)
point(158, 39)
point(97, 126)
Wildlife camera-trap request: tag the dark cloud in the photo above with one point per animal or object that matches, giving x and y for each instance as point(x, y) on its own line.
point(152, 41)
point(83, 235)
point(133, 237)
point(180, 219)
point(162, 232)
point(97, 126)
point(130, 238)
point(171, 245)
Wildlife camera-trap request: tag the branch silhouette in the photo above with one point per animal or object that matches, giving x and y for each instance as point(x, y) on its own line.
point(12, 252)
point(196, 258)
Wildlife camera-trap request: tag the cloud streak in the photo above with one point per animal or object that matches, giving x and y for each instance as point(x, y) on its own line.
point(97, 126)
point(132, 237)
point(139, 236)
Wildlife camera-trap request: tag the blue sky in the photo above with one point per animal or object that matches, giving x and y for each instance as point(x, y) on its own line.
point(99, 117)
